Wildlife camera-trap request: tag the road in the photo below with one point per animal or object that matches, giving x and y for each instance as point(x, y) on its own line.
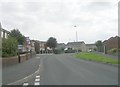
point(64, 69)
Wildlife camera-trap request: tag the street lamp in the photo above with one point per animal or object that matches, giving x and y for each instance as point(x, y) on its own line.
point(76, 36)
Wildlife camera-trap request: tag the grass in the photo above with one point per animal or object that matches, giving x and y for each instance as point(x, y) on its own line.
point(96, 57)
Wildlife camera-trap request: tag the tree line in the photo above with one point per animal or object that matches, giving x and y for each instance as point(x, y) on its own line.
point(15, 38)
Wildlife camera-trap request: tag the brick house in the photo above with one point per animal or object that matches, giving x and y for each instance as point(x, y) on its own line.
point(113, 42)
point(41, 47)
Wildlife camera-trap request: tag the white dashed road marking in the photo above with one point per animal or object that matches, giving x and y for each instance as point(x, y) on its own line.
point(37, 83)
point(37, 76)
point(25, 84)
point(36, 80)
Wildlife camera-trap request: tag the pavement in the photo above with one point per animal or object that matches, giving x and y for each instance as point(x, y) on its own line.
point(108, 55)
point(64, 69)
point(18, 71)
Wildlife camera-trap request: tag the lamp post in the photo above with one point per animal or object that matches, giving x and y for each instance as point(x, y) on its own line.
point(76, 37)
point(76, 34)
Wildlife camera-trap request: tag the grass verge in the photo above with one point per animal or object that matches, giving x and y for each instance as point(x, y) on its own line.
point(96, 57)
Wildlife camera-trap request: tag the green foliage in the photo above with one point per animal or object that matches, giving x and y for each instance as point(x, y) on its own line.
point(113, 51)
point(52, 42)
point(99, 45)
point(16, 34)
point(57, 51)
point(70, 50)
point(62, 48)
point(96, 57)
point(9, 47)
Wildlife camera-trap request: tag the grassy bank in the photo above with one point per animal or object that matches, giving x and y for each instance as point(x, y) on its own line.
point(96, 57)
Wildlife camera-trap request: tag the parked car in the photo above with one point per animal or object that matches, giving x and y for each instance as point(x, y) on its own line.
point(89, 50)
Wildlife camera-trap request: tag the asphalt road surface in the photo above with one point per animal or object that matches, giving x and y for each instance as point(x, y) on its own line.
point(64, 69)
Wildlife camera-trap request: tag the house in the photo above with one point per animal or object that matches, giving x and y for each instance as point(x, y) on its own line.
point(41, 47)
point(60, 46)
point(3, 33)
point(37, 46)
point(78, 46)
point(113, 42)
point(91, 47)
point(32, 45)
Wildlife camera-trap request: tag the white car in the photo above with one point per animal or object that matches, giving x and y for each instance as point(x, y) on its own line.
point(89, 50)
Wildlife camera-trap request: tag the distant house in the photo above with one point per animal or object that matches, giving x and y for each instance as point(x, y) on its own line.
point(113, 42)
point(3, 33)
point(60, 46)
point(32, 45)
point(77, 46)
point(37, 46)
point(41, 47)
point(91, 47)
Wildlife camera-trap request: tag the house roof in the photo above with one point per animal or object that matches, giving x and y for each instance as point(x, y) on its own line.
point(60, 43)
point(110, 39)
point(89, 44)
point(39, 41)
point(75, 42)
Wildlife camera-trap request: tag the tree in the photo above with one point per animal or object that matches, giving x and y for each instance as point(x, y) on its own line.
point(9, 47)
point(99, 45)
point(16, 34)
point(52, 42)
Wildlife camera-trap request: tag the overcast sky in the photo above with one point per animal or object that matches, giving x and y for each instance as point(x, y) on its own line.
point(41, 19)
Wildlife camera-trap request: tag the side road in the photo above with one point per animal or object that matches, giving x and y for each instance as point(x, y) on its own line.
point(16, 72)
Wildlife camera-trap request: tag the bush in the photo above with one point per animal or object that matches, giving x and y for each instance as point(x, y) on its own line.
point(9, 47)
point(56, 51)
point(113, 51)
point(70, 51)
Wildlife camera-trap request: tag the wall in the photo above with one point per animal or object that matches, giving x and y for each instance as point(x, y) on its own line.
point(83, 47)
point(10, 61)
point(16, 60)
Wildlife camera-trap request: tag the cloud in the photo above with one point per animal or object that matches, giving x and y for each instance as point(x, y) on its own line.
point(40, 19)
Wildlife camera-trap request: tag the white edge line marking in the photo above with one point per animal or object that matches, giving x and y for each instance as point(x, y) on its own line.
point(14, 83)
point(24, 78)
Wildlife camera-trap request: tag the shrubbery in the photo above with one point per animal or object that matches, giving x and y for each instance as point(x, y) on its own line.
point(113, 51)
point(9, 47)
point(70, 50)
point(56, 51)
